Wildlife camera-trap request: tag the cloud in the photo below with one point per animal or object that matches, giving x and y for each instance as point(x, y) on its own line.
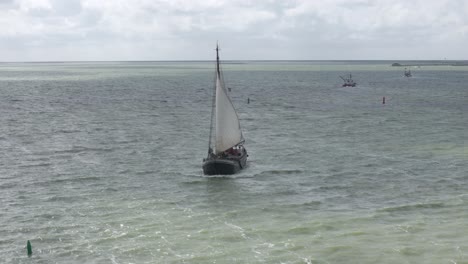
point(270, 29)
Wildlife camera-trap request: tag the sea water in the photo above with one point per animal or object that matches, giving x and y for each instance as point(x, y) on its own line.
point(100, 162)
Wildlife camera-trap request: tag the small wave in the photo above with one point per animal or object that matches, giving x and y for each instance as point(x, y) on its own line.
point(8, 185)
point(110, 189)
point(57, 198)
point(290, 107)
point(312, 204)
point(333, 187)
point(49, 216)
point(193, 182)
point(65, 131)
point(280, 172)
point(339, 248)
point(145, 172)
point(128, 141)
point(172, 174)
point(301, 230)
point(354, 234)
point(89, 178)
point(287, 192)
point(79, 149)
point(219, 177)
point(43, 164)
point(72, 179)
point(411, 207)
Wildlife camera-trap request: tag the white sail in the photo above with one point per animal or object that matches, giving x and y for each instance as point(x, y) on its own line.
point(228, 132)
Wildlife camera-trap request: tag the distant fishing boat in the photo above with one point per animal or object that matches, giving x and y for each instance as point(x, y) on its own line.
point(226, 152)
point(407, 73)
point(348, 81)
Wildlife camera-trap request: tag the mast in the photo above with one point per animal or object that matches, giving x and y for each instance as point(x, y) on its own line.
point(217, 61)
point(213, 103)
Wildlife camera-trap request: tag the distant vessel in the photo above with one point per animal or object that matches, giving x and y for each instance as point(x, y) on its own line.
point(407, 73)
point(348, 81)
point(226, 152)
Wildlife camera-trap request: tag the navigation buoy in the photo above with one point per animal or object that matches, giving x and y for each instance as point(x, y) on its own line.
point(29, 247)
point(383, 100)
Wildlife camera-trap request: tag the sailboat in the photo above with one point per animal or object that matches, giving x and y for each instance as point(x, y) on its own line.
point(348, 81)
point(407, 73)
point(226, 152)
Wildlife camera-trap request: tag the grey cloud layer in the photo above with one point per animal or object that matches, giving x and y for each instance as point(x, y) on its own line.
point(274, 29)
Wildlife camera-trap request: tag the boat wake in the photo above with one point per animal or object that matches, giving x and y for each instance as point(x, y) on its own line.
point(279, 172)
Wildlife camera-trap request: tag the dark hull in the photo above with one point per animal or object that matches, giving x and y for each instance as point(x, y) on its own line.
point(224, 166)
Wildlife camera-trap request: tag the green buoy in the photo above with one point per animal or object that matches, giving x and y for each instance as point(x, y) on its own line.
point(29, 249)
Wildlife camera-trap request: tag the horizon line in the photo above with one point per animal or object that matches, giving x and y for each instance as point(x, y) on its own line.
point(241, 60)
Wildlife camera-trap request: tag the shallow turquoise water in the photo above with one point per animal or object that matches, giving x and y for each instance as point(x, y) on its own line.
point(101, 163)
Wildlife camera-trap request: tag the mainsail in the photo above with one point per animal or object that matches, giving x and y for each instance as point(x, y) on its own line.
point(228, 132)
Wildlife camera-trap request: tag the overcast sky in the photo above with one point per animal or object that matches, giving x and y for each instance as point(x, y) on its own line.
point(50, 30)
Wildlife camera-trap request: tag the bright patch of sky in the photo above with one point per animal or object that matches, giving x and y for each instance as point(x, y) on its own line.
point(49, 30)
